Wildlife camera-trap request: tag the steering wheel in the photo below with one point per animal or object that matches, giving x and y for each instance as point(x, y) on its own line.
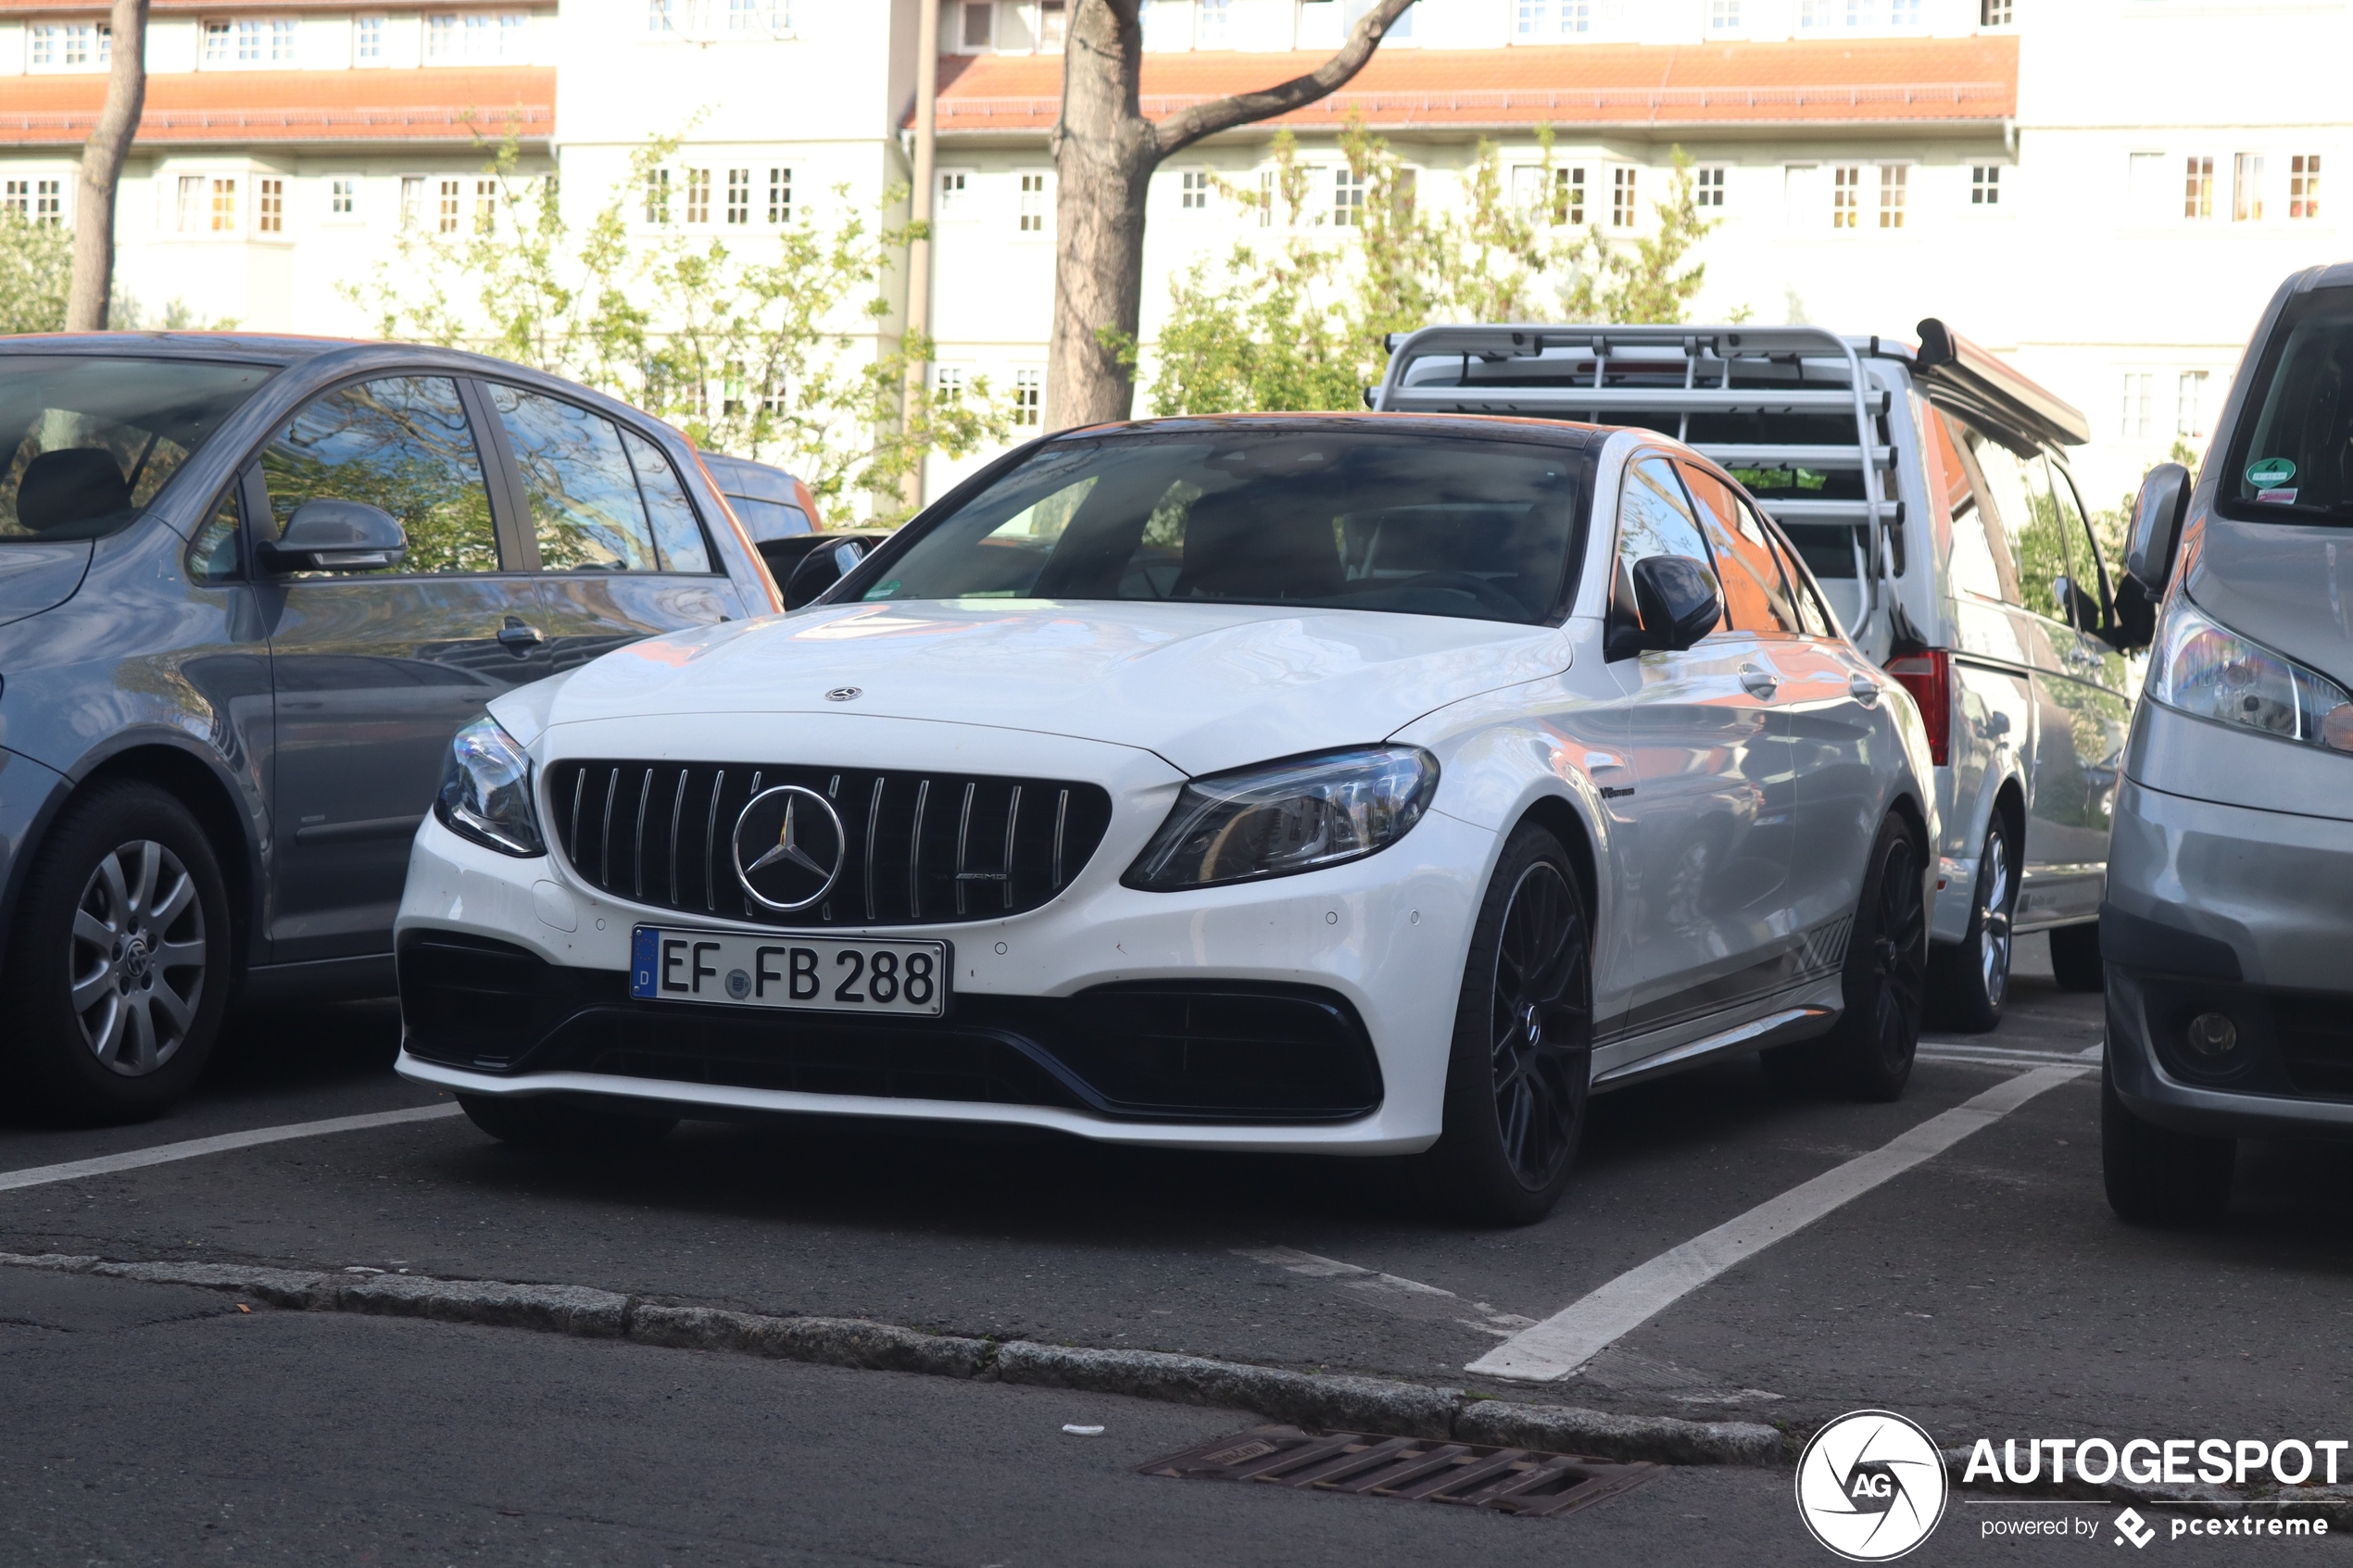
point(1489, 596)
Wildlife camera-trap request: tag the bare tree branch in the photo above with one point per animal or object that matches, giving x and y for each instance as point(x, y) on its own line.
point(1183, 128)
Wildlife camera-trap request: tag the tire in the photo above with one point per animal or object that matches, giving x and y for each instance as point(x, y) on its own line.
point(1519, 1071)
point(1868, 1054)
point(2075, 958)
point(121, 959)
point(546, 1124)
point(1969, 982)
point(2155, 1176)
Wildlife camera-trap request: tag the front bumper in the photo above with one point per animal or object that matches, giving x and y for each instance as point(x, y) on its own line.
point(2214, 907)
point(1310, 1013)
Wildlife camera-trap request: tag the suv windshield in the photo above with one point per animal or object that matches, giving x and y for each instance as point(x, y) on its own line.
point(90, 441)
point(2291, 460)
point(1406, 521)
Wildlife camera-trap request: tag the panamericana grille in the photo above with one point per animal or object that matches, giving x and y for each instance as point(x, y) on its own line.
point(919, 849)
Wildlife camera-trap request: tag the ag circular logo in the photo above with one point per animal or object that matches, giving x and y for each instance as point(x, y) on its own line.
point(1871, 1486)
point(788, 847)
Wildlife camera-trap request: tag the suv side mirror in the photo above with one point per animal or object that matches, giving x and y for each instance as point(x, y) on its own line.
point(335, 536)
point(2156, 527)
point(820, 570)
point(1679, 600)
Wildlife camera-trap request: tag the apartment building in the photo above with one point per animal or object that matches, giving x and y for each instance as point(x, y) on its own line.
point(2106, 188)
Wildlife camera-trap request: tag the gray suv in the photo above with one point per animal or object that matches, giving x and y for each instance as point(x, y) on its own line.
point(250, 589)
point(2228, 920)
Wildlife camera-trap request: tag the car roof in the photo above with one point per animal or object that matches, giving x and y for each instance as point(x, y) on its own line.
point(742, 476)
point(268, 348)
point(1562, 432)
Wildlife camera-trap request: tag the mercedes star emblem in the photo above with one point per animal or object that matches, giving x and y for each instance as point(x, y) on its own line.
point(844, 694)
point(788, 847)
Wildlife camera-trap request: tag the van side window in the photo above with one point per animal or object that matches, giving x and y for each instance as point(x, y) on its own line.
point(1756, 599)
point(1979, 563)
point(2085, 571)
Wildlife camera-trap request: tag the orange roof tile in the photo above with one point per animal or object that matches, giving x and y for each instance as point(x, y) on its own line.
point(438, 104)
point(1863, 81)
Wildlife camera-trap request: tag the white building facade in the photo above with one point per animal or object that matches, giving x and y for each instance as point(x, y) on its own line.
point(2107, 190)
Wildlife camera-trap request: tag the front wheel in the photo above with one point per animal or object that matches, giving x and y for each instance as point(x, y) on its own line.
point(1868, 1055)
point(1522, 1059)
point(2157, 1178)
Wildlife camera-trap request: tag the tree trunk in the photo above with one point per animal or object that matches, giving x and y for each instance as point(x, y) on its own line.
point(1105, 153)
point(102, 160)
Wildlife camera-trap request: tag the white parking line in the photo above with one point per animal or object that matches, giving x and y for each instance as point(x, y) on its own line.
point(1573, 1335)
point(1373, 1285)
point(163, 1154)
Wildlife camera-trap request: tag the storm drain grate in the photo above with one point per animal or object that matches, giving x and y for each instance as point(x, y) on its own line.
point(1527, 1481)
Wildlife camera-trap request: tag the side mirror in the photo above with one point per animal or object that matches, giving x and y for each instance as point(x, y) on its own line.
point(2156, 527)
point(1679, 600)
point(820, 569)
point(335, 536)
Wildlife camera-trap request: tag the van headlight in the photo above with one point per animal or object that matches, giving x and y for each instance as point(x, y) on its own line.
point(2204, 668)
point(1279, 819)
point(485, 791)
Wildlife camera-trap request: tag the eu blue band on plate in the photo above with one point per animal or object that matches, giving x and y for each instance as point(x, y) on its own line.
point(643, 954)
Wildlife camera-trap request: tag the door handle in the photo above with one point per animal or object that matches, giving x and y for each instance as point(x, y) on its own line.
point(1759, 680)
point(518, 637)
point(1862, 689)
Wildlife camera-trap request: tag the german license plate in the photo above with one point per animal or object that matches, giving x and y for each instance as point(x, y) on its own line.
point(805, 974)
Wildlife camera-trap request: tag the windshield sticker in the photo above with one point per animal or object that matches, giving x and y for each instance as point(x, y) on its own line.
point(2270, 473)
point(2288, 495)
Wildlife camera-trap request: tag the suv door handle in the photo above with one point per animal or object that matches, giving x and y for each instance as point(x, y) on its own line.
point(1759, 680)
point(519, 637)
point(1862, 689)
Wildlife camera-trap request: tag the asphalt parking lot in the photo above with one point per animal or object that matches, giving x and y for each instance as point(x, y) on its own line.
point(1986, 1290)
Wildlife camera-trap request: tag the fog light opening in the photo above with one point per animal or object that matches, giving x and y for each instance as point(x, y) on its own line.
point(2211, 1036)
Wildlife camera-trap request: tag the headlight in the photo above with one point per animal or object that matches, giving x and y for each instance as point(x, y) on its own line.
point(1282, 818)
point(2203, 667)
point(485, 791)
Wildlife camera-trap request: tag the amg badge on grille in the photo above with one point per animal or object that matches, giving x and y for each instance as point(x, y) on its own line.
point(788, 847)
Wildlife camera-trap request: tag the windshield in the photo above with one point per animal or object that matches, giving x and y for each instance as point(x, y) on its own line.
point(2292, 460)
point(91, 441)
point(1410, 521)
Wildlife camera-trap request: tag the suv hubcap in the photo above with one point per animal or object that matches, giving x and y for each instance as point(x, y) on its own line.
point(136, 963)
point(1542, 1011)
point(1993, 942)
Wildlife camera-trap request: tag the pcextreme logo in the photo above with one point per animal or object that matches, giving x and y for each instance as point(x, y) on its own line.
point(1871, 1486)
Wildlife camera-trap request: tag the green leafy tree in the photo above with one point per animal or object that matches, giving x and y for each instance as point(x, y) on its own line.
point(36, 271)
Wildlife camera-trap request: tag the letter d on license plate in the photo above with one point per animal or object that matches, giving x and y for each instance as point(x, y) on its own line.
point(795, 973)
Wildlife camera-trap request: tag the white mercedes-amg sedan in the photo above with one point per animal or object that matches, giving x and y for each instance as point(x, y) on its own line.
point(1365, 786)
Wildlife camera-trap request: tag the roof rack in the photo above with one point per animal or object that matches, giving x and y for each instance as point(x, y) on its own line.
point(1707, 355)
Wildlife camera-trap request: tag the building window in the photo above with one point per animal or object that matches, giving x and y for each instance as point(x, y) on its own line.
point(2198, 188)
point(445, 219)
point(2140, 390)
point(486, 207)
point(1985, 184)
point(1213, 22)
point(1267, 196)
point(758, 16)
point(951, 194)
point(1195, 194)
point(699, 196)
point(512, 36)
point(1550, 19)
point(661, 16)
point(948, 382)
point(2189, 416)
point(281, 40)
point(16, 198)
point(441, 38)
point(740, 195)
point(44, 43)
point(1029, 397)
point(979, 27)
point(1033, 202)
point(1813, 15)
point(1993, 13)
point(1053, 23)
point(271, 217)
point(1621, 198)
point(77, 45)
point(343, 197)
point(2304, 185)
point(1708, 187)
point(658, 196)
point(1858, 13)
point(1902, 13)
point(1568, 196)
point(2246, 188)
point(190, 214)
point(217, 43)
point(224, 209)
point(780, 195)
point(1348, 198)
point(1893, 180)
point(413, 200)
point(1723, 16)
point(368, 40)
point(1846, 196)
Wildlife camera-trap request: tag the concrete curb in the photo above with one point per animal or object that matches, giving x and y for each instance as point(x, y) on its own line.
point(1367, 1404)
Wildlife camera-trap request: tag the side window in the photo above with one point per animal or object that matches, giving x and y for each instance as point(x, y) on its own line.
point(1756, 599)
point(1654, 518)
point(401, 443)
point(214, 555)
point(2040, 542)
point(2004, 509)
point(676, 532)
point(1971, 565)
point(1811, 614)
point(584, 507)
point(2082, 555)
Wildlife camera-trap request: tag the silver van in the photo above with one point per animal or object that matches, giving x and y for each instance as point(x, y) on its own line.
point(1925, 487)
point(2230, 912)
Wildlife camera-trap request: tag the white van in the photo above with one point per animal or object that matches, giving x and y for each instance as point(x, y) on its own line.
point(1924, 486)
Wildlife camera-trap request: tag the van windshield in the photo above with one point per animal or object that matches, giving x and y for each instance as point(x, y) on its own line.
point(1413, 523)
point(90, 441)
point(2291, 460)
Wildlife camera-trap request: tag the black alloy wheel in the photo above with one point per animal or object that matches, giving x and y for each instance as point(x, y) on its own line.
point(1521, 1068)
point(1868, 1054)
point(1970, 981)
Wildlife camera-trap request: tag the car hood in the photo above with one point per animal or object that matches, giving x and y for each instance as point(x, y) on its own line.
point(40, 574)
point(1204, 686)
point(2287, 585)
